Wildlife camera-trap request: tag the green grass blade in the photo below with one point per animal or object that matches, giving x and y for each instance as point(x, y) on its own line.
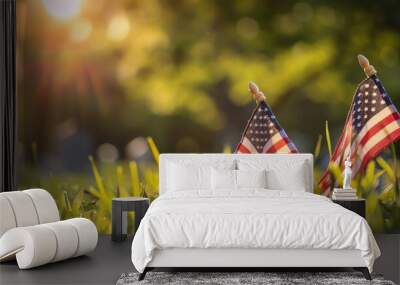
point(387, 168)
point(67, 202)
point(150, 183)
point(97, 176)
point(135, 182)
point(317, 149)
point(76, 206)
point(328, 139)
point(227, 149)
point(387, 193)
point(368, 181)
point(336, 173)
point(154, 150)
point(396, 181)
point(121, 181)
point(370, 172)
point(94, 192)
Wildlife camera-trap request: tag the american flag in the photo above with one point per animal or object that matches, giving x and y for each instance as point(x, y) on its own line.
point(372, 123)
point(263, 134)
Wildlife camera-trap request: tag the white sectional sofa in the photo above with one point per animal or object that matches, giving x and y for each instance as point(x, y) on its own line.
point(31, 230)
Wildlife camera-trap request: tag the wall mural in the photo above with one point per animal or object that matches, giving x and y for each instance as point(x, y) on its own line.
point(104, 86)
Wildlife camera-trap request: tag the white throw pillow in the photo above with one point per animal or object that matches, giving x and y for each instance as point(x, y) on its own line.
point(251, 178)
point(182, 177)
point(294, 180)
point(223, 179)
point(281, 175)
point(193, 174)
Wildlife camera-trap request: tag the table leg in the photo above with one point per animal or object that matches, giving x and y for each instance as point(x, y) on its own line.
point(116, 225)
point(124, 224)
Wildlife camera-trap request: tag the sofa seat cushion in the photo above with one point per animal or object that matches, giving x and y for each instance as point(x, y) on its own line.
point(40, 244)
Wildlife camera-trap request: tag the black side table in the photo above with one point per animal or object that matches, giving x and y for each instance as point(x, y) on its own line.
point(120, 207)
point(356, 205)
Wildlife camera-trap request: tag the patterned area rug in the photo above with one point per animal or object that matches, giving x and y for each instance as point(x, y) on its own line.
point(229, 278)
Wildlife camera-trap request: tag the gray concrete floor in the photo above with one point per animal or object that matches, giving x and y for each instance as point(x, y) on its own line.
point(389, 263)
point(103, 266)
point(110, 259)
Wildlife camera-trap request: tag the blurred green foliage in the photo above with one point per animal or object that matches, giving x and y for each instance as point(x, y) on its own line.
point(178, 70)
point(91, 197)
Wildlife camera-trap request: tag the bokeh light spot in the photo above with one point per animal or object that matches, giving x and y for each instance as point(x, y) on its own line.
point(118, 28)
point(247, 28)
point(63, 10)
point(107, 152)
point(66, 129)
point(136, 148)
point(81, 30)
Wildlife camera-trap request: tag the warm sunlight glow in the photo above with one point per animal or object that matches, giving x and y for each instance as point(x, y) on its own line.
point(63, 10)
point(118, 28)
point(81, 30)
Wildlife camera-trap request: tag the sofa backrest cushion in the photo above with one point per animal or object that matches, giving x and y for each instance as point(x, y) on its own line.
point(26, 208)
point(45, 206)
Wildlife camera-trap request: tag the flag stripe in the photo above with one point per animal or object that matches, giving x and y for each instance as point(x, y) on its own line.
point(388, 132)
point(277, 145)
point(243, 149)
point(373, 152)
point(385, 131)
point(250, 147)
point(378, 127)
point(271, 142)
point(343, 140)
point(386, 112)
